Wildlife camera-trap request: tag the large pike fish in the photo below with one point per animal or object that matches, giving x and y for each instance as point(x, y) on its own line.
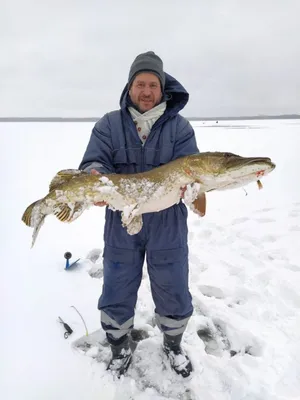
point(73, 191)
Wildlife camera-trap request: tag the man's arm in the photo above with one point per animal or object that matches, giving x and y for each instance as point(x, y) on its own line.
point(185, 142)
point(97, 158)
point(98, 154)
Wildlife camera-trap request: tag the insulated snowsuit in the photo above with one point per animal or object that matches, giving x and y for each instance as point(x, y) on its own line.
point(115, 147)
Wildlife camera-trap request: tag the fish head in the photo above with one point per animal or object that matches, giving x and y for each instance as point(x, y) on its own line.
point(223, 170)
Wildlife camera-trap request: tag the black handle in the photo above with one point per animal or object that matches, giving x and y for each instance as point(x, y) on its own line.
point(68, 328)
point(68, 255)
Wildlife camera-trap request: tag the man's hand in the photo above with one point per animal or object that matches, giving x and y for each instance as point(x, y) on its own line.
point(183, 190)
point(99, 203)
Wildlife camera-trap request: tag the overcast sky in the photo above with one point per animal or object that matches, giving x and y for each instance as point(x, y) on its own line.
point(71, 58)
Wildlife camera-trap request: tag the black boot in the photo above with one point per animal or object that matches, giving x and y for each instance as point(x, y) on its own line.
point(179, 361)
point(121, 356)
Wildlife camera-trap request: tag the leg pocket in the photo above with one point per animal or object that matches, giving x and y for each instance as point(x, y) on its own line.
point(121, 281)
point(121, 256)
point(169, 256)
point(168, 272)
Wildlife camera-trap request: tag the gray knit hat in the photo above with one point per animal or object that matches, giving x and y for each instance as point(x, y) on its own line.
point(144, 62)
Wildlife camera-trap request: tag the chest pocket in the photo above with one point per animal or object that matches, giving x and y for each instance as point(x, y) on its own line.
point(159, 148)
point(126, 156)
point(155, 157)
point(127, 160)
point(129, 156)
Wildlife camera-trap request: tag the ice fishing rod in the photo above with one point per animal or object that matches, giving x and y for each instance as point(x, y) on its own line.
point(86, 330)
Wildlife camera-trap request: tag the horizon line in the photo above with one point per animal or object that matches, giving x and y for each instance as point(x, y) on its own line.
point(94, 119)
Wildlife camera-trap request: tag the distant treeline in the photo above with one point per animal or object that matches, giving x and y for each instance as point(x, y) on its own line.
point(94, 119)
point(284, 116)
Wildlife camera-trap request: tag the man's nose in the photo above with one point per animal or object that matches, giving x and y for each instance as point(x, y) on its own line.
point(147, 90)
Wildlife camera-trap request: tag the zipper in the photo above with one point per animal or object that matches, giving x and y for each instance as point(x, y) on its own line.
point(143, 158)
point(156, 124)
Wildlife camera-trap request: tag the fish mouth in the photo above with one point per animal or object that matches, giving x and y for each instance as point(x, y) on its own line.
point(264, 166)
point(263, 163)
point(265, 160)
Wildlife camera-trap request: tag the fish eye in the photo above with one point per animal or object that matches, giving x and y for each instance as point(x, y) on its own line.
point(227, 155)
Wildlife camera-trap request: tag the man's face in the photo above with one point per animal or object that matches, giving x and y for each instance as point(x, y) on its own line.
point(145, 91)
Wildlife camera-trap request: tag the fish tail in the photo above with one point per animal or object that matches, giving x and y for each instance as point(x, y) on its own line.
point(37, 228)
point(34, 217)
point(27, 216)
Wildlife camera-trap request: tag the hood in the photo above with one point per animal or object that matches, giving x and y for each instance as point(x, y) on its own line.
point(174, 94)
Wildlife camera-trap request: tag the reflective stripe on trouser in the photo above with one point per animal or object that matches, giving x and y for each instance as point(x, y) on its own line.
point(114, 329)
point(171, 326)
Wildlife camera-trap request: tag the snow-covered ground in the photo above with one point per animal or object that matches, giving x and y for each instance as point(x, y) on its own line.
point(244, 336)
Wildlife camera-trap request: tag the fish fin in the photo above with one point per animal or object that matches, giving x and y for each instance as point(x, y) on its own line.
point(64, 176)
point(128, 214)
point(27, 216)
point(34, 217)
point(135, 225)
point(62, 212)
point(199, 205)
point(65, 213)
point(78, 209)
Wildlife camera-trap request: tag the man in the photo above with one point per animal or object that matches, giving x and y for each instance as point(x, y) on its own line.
point(146, 132)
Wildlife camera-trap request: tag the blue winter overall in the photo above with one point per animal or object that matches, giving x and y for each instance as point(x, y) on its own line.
point(115, 147)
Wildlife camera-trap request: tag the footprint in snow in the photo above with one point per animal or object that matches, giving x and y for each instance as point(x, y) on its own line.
point(94, 255)
point(96, 271)
point(211, 291)
point(269, 238)
point(294, 213)
point(264, 210)
point(217, 343)
point(294, 228)
point(214, 339)
point(195, 260)
point(241, 220)
point(293, 267)
point(265, 220)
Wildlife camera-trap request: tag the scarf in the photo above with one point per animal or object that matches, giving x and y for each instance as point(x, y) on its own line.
point(145, 121)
